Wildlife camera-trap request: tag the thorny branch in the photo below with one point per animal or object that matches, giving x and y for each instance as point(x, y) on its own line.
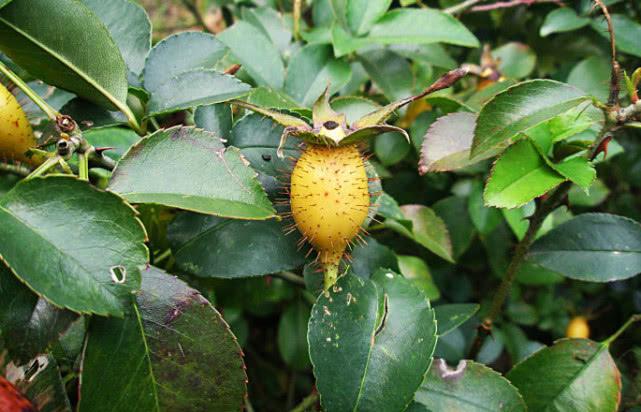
point(614, 76)
point(614, 117)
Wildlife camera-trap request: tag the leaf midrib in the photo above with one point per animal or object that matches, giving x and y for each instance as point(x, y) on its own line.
point(197, 197)
point(117, 103)
point(587, 364)
point(147, 352)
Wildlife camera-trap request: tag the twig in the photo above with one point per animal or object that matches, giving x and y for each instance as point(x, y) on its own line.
point(193, 9)
point(511, 3)
point(615, 74)
point(291, 277)
point(459, 8)
point(542, 211)
point(626, 325)
point(306, 403)
point(298, 5)
point(51, 113)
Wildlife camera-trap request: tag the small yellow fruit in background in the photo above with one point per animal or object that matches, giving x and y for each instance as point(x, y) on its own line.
point(329, 197)
point(578, 328)
point(16, 135)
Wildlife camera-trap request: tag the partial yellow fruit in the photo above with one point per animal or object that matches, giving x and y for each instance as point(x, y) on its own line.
point(578, 328)
point(16, 135)
point(329, 197)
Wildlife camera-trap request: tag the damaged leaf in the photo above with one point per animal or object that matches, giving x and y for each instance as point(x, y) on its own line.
point(173, 347)
point(364, 334)
point(203, 175)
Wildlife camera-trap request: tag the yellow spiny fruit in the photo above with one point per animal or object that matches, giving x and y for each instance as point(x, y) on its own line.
point(329, 197)
point(16, 136)
point(578, 328)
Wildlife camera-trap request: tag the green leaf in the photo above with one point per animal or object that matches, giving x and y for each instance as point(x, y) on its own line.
point(179, 54)
point(391, 148)
point(578, 169)
point(453, 211)
point(485, 219)
point(446, 145)
point(584, 377)
point(91, 116)
point(274, 99)
point(561, 20)
point(434, 54)
point(129, 27)
point(626, 30)
point(383, 329)
point(119, 139)
point(597, 193)
point(215, 118)
point(195, 88)
point(271, 23)
point(390, 72)
point(65, 58)
point(280, 118)
point(470, 387)
point(4, 3)
point(415, 269)
point(353, 107)
point(368, 257)
point(256, 53)
point(28, 324)
point(209, 246)
point(517, 109)
point(592, 75)
point(478, 99)
point(421, 26)
point(173, 347)
point(312, 69)
point(90, 271)
point(362, 14)
point(519, 176)
point(450, 317)
point(292, 336)
point(593, 247)
point(258, 138)
point(204, 176)
point(428, 230)
point(516, 60)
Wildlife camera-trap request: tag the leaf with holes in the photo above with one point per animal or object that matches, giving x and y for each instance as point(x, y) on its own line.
point(470, 387)
point(384, 329)
point(172, 346)
point(89, 272)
